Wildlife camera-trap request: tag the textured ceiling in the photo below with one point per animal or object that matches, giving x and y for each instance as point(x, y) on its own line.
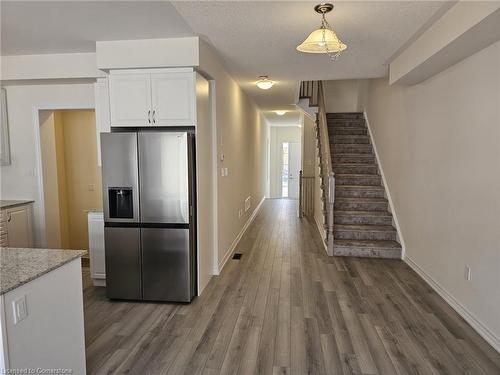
point(253, 38)
point(257, 38)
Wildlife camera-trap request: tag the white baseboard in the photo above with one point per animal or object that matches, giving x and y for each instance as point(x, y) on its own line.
point(469, 317)
point(386, 187)
point(230, 251)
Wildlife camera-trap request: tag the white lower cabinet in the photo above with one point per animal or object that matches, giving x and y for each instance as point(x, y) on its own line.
point(96, 248)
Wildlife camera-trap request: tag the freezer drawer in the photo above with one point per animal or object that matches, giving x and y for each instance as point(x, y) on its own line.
point(164, 177)
point(123, 262)
point(166, 265)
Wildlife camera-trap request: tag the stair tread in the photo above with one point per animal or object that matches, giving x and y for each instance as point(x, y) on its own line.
point(360, 199)
point(364, 227)
point(362, 213)
point(368, 243)
point(364, 187)
point(354, 175)
point(354, 165)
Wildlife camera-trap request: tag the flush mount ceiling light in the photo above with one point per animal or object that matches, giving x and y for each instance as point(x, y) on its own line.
point(324, 39)
point(280, 113)
point(264, 83)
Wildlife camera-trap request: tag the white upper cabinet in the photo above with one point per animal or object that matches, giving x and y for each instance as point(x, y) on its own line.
point(130, 99)
point(173, 98)
point(162, 97)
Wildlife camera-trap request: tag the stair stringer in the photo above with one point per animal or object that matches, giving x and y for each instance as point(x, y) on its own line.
point(387, 191)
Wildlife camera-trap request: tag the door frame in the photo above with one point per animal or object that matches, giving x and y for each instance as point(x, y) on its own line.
point(42, 235)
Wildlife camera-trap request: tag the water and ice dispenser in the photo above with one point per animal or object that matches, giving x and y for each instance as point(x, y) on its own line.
point(121, 203)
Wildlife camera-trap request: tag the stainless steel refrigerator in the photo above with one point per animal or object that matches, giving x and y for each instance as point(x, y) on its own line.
point(149, 215)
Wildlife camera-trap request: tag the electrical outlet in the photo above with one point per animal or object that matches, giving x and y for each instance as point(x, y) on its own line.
point(91, 187)
point(467, 273)
point(226, 171)
point(222, 172)
point(20, 309)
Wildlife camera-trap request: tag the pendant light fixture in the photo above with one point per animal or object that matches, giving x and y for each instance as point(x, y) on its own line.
point(323, 39)
point(264, 83)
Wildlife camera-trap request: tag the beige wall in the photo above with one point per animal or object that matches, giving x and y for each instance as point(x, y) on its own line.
point(69, 169)
point(344, 95)
point(80, 155)
point(309, 151)
point(278, 135)
point(439, 148)
point(50, 179)
point(241, 137)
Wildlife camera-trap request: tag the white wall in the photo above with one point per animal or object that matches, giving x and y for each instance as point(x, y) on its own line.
point(20, 179)
point(439, 147)
point(344, 95)
point(241, 138)
point(278, 135)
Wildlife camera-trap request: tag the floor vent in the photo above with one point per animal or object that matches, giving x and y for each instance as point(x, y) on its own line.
point(237, 256)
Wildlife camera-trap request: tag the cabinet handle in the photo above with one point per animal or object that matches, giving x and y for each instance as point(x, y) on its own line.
point(149, 116)
point(154, 113)
point(9, 217)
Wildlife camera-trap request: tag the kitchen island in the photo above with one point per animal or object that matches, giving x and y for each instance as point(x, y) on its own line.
point(41, 308)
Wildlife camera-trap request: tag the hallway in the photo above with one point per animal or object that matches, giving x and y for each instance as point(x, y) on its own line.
point(286, 307)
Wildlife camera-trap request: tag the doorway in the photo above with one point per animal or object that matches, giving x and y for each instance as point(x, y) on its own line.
point(285, 161)
point(71, 176)
point(293, 169)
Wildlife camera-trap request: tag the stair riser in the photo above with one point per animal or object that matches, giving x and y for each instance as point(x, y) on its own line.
point(348, 131)
point(353, 159)
point(353, 193)
point(346, 125)
point(355, 169)
point(350, 251)
point(370, 180)
point(361, 206)
point(351, 149)
point(358, 220)
point(350, 140)
point(365, 235)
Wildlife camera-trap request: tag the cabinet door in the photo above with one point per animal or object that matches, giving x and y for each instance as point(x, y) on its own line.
point(102, 120)
point(19, 226)
point(130, 99)
point(174, 99)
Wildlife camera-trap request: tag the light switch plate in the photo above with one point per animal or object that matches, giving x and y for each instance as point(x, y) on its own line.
point(20, 309)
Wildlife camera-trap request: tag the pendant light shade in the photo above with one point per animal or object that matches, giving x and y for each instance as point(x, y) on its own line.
point(323, 39)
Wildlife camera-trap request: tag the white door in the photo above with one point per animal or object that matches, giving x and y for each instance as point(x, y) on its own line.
point(19, 227)
point(293, 169)
point(173, 98)
point(130, 99)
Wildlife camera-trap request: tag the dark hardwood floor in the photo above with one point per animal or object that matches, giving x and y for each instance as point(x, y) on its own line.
point(287, 308)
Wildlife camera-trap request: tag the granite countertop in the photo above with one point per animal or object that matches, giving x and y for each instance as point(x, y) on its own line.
point(19, 266)
point(12, 203)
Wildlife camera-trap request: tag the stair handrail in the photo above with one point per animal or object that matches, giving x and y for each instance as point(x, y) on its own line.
point(313, 90)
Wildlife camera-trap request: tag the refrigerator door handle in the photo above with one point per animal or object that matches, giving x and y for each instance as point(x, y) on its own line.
point(149, 116)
